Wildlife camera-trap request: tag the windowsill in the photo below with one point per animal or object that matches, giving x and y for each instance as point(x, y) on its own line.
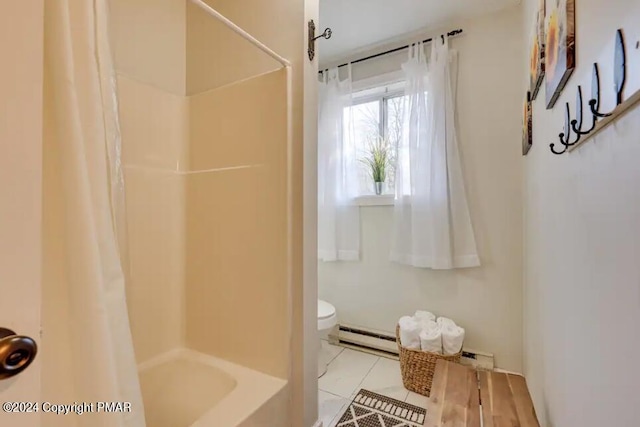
point(373, 200)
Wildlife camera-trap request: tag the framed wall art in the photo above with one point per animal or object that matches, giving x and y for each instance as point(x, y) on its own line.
point(527, 125)
point(560, 47)
point(537, 52)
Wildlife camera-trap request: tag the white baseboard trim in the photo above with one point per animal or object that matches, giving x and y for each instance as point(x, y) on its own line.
point(318, 423)
point(384, 344)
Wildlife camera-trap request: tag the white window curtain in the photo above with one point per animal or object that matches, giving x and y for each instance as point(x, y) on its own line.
point(88, 351)
point(432, 226)
point(338, 216)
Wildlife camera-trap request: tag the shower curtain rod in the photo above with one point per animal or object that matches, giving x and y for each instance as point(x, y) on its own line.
point(242, 33)
point(397, 49)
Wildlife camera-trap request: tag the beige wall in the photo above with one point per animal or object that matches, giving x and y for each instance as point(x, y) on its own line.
point(236, 253)
point(582, 293)
point(486, 301)
point(21, 134)
point(309, 306)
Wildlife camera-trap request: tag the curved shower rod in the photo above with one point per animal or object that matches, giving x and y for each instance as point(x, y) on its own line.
point(242, 33)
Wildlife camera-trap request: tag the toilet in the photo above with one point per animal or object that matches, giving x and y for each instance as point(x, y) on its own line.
point(327, 319)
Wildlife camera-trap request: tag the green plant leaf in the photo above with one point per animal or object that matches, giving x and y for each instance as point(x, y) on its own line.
point(377, 159)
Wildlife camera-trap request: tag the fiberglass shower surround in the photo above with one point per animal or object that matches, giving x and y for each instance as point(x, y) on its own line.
point(217, 201)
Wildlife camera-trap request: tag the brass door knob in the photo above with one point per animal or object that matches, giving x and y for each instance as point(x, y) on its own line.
point(16, 353)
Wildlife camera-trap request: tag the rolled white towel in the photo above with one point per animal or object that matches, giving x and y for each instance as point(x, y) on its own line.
point(452, 338)
point(409, 333)
point(431, 339)
point(426, 324)
point(445, 321)
point(422, 316)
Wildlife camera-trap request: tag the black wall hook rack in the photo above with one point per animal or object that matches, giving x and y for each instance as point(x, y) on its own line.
point(567, 128)
point(594, 102)
point(575, 125)
point(565, 136)
point(326, 34)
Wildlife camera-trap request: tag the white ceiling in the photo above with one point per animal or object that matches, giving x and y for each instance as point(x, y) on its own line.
point(362, 23)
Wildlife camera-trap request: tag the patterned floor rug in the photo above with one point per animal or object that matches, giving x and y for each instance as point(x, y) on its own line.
point(370, 409)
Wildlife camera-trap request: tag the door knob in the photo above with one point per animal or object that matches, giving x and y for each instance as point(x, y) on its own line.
point(16, 353)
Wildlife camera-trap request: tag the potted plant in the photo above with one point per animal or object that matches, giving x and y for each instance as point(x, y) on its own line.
point(377, 161)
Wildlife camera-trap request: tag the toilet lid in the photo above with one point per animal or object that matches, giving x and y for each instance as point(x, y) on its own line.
point(325, 310)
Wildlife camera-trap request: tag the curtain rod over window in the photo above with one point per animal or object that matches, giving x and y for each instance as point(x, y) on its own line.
point(397, 49)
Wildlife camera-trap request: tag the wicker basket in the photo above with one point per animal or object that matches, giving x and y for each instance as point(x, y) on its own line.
point(418, 367)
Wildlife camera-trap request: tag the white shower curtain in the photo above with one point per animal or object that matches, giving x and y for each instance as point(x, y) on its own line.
point(338, 216)
point(432, 226)
point(87, 346)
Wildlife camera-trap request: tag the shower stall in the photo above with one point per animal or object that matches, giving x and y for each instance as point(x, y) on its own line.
point(206, 138)
point(168, 172)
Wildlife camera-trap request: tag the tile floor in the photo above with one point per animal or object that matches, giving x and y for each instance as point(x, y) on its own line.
point(351, 370)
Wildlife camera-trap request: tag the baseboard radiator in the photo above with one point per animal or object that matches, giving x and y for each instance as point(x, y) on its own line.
point(384, 344)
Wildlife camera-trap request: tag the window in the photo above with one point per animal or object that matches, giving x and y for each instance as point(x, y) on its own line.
point(376, 116)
